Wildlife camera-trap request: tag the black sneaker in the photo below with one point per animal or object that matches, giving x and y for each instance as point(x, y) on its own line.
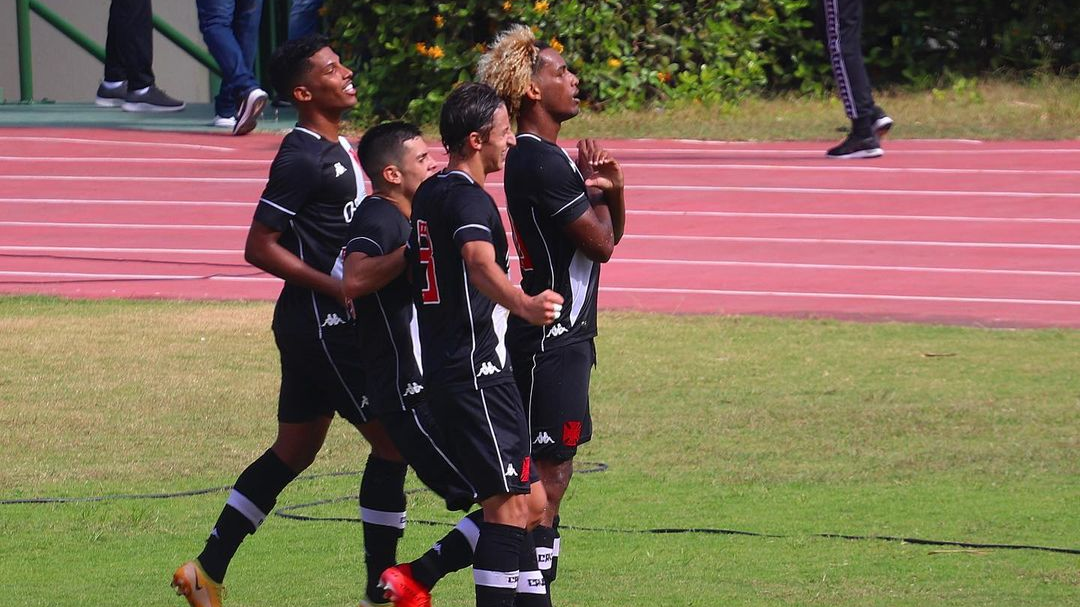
point(882, 123)
point(151, 99)
point(111, 96)
point(250, 107)
point(857, 147)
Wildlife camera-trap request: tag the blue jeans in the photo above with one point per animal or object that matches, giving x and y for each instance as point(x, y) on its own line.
point(304, 18)
point(230, 29)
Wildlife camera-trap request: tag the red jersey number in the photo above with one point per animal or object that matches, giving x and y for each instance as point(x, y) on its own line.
point(524, 259)
point(430, 293)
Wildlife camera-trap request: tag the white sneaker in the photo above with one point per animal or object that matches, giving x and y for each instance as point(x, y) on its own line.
point(225, 122)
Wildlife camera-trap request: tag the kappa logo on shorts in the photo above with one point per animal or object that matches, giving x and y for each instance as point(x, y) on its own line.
point(487, 368)
point(557, 330)
point(339, 169)
point(543, 438)
point(333, 320)
point(510, 470)
point(413, 388)
point(571, 433)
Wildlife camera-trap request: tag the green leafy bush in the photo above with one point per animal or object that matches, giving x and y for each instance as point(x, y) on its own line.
point(409, 54)
point(640, 53)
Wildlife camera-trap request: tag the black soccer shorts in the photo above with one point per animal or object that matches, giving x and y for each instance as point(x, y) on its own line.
point(320, 377)
point(488, 436)
point(423, 444)
point(554, 387)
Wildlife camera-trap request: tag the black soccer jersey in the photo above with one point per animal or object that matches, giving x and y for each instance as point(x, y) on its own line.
point(544, 193)
point(314, 188)
point(385, 320)
point(462, 331)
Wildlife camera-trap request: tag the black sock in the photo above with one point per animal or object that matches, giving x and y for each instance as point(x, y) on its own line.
point(495, 564)
point(452, 553)
point(382, 509)
point(252, 498)
point(531, 589)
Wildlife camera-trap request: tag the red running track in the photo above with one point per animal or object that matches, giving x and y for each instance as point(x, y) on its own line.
point(967, 232)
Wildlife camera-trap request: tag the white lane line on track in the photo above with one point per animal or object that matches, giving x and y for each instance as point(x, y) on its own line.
point(923, 243)
point(126, 160)
point(857, 241)
point(104, 276)
point(120, 142)
point(636, 187)
point(847, 167)
point(615, 261)
point(609, 289)
point(819, 153)
point(117, 201)
point(818, 295)
point(151, 250)
point(644, 212)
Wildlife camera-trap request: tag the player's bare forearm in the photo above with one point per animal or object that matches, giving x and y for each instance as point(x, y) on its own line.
point(365, 275)
point(263, 251)
point(489, 278)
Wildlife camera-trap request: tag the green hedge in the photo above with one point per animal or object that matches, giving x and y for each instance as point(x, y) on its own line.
point(638, 53)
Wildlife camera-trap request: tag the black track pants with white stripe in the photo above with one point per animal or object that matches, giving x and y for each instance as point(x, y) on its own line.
point(843, 29)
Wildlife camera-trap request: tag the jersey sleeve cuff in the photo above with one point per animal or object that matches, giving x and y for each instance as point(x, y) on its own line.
point(471, 232)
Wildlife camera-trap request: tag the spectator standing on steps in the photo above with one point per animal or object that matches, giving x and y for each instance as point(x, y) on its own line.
point(230, 29)
point(129, 56)
point(304, 18)
point(869, 123)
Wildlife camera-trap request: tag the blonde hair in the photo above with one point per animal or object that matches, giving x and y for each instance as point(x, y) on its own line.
point(509, 64)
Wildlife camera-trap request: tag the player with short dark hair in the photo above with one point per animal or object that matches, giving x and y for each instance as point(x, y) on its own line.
point(459, 260)
point(567, 217)
point(299, 227)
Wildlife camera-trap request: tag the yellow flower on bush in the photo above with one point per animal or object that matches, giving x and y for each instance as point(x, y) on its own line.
point(439, 20)
point(555, 44)
point(421, 48)
point(435, 52)
point(507, 6)
point(535, 30)
point(614, 63)
point(663, 77)
point(541, 6)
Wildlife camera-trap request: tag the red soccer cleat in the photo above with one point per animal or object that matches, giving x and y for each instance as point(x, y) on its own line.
point(402, 589)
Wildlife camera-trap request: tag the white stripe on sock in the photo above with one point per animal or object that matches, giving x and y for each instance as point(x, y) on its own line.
point(244, 506)
point(383, 518)
point(555, 549)
point(496, 579)
point(468, 528)
point(531, 582)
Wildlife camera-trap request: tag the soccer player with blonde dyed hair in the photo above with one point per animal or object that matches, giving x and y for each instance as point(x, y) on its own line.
point(567, 216)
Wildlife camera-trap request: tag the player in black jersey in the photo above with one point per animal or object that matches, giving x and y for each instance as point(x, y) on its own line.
point(567, 216)
point(297, 232)
point(458, 256)
point(395, 158)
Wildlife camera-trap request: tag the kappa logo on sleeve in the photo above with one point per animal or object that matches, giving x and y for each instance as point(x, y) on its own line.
point(339, 169)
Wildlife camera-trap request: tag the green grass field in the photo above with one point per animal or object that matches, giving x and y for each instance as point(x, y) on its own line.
point(785, 427)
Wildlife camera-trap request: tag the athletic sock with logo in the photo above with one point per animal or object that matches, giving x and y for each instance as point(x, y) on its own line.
point(382, 510)
point(495, 566)
point(252, 498)
point(544, 538)
point(531, 588)
point(556, 544)
point(452, 553)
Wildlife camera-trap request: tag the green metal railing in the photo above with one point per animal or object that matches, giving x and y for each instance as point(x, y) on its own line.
point(26, 72)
